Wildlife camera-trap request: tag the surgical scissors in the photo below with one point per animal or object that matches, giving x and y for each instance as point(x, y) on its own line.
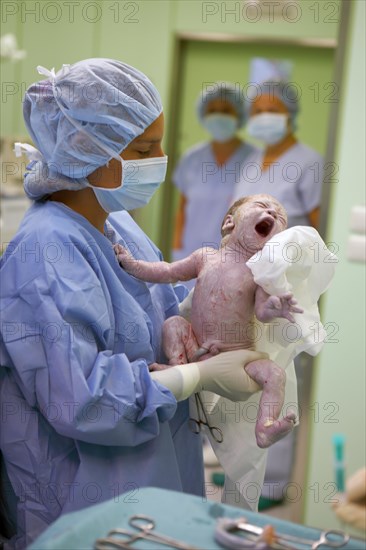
point(225, 535)
point(144, 526)
point(195, 425)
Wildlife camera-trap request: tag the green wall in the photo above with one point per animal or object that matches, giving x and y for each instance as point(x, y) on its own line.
point(303, 19)
point(339, 386)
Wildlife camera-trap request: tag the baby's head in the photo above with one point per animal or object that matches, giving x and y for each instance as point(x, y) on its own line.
point(251, 221)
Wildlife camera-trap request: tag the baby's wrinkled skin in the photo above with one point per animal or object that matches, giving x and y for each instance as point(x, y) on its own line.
point(225, 301)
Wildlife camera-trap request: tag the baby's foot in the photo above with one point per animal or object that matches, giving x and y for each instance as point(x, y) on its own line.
point(270, 431)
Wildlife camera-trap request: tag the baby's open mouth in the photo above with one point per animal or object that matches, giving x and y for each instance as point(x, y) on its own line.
point(264, 227)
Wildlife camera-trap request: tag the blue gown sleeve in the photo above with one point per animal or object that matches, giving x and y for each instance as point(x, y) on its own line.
point(55, 347)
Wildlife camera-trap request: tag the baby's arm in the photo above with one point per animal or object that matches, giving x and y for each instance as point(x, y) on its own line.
point(159, 272)
point(268, 307)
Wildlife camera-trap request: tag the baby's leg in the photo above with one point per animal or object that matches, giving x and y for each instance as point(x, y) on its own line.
point(272, 380)
point(179, 342)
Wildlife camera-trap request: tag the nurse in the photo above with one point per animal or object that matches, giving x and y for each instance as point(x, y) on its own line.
point(287, 169)
point(208, 172)
point(82, 418)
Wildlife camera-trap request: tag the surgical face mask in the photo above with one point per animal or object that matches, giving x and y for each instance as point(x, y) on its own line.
point(221, 127)
point(268, 127)
point(140, 179)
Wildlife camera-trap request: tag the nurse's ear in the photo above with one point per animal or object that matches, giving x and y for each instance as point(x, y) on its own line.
point(228, 224)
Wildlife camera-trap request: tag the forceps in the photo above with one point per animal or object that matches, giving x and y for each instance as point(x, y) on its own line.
point(340, 538)
point(195, 425)
point(225, 535)
point(144, 526)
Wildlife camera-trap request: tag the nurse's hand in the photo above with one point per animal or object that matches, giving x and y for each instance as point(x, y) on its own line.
point(352, 508)
point(223, 374)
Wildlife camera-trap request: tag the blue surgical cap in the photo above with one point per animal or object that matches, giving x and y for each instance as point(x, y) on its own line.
point(226, 91)
point(287, 92)
point(69, 116)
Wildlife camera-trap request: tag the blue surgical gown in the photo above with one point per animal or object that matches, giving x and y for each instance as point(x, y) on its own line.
point(82, 421)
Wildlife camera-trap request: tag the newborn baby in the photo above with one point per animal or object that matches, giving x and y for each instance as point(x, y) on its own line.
point(225, 300)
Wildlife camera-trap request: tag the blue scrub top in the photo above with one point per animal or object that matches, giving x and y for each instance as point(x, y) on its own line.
point(82, 419)
point(208, 189)
point(294, 179)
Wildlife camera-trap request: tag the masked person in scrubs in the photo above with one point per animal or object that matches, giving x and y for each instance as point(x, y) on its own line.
point(83, 420)
point(288, 170)
point(291, 172)
point(207, 173)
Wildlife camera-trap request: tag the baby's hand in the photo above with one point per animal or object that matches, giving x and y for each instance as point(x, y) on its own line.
point(282, 306)
point(124, 257)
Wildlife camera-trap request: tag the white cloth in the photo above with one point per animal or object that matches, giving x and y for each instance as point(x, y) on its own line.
point(295, 260)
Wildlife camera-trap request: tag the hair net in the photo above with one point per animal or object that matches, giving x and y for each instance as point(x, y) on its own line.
point(225, 91)
point(70, 116)
point(287, 92)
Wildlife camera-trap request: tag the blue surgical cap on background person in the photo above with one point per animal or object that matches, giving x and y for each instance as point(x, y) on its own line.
point(287, 92)
point(226, 91)
point(106, 99)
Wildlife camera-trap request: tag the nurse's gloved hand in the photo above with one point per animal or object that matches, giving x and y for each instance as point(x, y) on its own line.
point(223, 374)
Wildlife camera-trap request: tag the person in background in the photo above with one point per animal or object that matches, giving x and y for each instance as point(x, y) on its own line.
point(287, 169)
point(292, 172)
point(208, 172)
point(84, 419)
